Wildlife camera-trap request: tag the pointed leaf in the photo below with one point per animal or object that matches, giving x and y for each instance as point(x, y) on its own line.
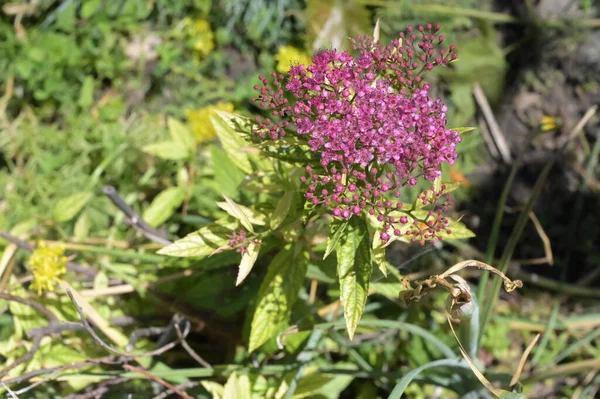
point(336, 229)
point(203, 242)
point(462, 130)
point(245, 215)
point(163, 206)
point(67, 208)
point(277, 294)
point(281, 210)
point(354, 271)
point(181, 134)
point(248, 260)
point(233, 143)
point(237, 387)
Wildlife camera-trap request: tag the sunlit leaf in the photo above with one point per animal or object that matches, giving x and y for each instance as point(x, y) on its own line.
point(245, 215)
point(336, 229)
point(233, 143)
point(237, 387)
point(248, 260)
point(354, 271)
point(277, 294)
point(201, 243)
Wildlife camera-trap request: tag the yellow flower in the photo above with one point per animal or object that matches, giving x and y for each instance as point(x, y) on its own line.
point(201, 35)
point(289, 56)
point(47, 264)
point(199, 120)
point(549, 123)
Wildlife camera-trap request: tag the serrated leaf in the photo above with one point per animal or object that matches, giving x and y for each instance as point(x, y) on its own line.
point(245, 215)
point(181, 134)
point(201, 243)
point(163, 206)
point(458, 231)
point(332, 22)
point(336, 229)
point(169, 150)
point(67, 208)
point(281, 210)
point(233, 143)
point(354, 271)
point(248, 259)
point(277, 294)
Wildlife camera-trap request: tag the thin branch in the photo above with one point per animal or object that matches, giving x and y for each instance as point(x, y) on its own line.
point(159, 380)
point(90, 330)
point(188, 348)
point(494, 128)
point(135, 220)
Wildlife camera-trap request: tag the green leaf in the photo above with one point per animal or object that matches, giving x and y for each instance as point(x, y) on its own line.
point(86, 94)
point(377, 246)
point(281, 210)
point(82, 226)
point(89, 7)
point(462, 130)
point(67, 208)
point(181, 134)
point(248, 260)
point(332, 22)
point(163, 206)
point(354, 271)
point(245, 215)
point(237, 387)
point(169, 150)
point(227, 175)
point(233, 143)
point(336, 229)
point(203, 242)
point(277, 294)
point(458, 231)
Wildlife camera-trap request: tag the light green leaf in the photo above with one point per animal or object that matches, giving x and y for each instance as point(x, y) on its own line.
point(377, 246)
point(163, 206)
point(458, 231)
point(214, 388)
point(181, 134)
point(354, 271)
point(336, 229)
point(245, 215)
point(86, 94)
point(281, 210)
point(277, 294)
point(462, 130)
point(169, 150)
point(237, 387)
point(389, 289)
point(67, 208)
point(227, 175)
point(233, 143)
point(248, 260)
point(203, 242)
point(82, 226)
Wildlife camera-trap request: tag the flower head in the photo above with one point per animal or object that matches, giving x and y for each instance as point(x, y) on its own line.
point(47, 264)
point(369, 119)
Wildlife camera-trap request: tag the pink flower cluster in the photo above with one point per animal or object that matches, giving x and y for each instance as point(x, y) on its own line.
point(370, 120)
